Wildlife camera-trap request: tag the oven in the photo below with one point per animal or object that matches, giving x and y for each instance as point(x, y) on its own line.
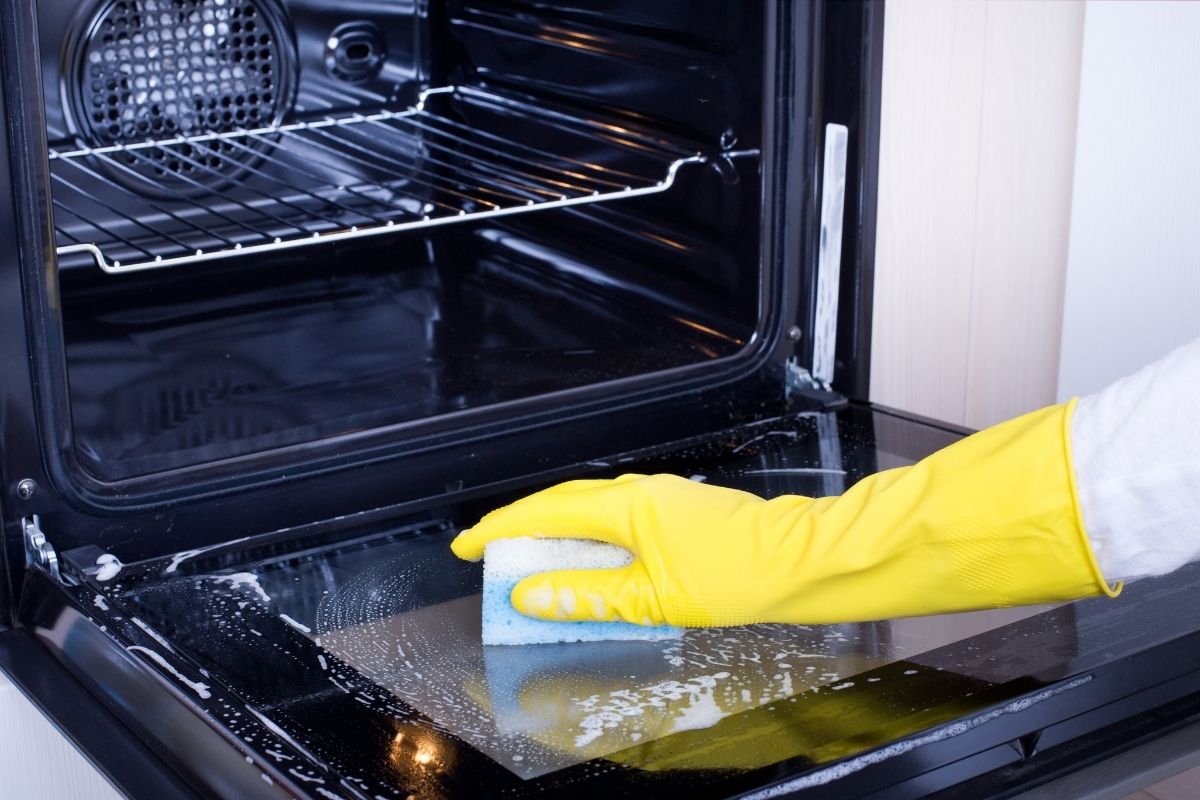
point(295, 290)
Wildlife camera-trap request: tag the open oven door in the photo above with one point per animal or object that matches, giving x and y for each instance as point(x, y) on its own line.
point(343, 660)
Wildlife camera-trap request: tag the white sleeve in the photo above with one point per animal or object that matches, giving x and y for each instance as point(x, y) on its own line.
point(1136, 448)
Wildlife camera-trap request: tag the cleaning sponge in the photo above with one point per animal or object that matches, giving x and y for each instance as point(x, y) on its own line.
point(507, 561)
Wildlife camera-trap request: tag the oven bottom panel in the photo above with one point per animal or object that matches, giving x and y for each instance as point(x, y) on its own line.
point(218, 367)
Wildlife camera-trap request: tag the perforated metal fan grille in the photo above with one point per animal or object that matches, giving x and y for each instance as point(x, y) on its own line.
point(153, 69)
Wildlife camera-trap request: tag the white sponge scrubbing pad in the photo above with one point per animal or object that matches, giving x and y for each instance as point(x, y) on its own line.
point(507, 561)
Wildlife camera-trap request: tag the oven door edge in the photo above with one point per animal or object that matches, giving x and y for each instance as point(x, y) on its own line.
point(137, 725)
point(97, 732)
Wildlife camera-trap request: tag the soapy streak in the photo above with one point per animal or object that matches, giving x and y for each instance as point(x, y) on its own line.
point(744, 445)
point(297, 625)
point(179, 558)
point(153, 634)
point(305, 778)
point(199, 688)
point(282, 734)
point(838, 771)
point(244, 579)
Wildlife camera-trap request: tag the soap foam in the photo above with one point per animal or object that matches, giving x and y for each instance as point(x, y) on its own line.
point(108, 567)
point(508, 561)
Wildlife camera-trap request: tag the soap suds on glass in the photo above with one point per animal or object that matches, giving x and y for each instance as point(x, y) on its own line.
point(109, 566)
point(244, 579)
point(555, 705)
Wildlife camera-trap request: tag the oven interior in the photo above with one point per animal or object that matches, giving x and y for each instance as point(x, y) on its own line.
point(284, 222)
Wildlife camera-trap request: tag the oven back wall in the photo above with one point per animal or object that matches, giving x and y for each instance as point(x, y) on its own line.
point(121, 70)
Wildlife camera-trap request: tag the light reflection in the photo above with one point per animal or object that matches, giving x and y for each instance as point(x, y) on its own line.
point(558, 40)
point(412, 745)
point(668, 242)
point(696, 326)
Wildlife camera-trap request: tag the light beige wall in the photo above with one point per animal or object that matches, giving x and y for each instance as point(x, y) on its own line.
point(37, 761)
point(976, 152)
point(1133, 279)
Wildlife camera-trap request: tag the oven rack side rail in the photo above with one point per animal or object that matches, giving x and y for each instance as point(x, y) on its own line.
point(346, 177)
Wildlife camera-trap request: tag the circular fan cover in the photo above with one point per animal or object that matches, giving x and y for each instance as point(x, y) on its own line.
point(159, 69)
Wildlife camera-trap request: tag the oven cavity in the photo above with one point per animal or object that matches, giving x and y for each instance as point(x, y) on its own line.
point(329, 226)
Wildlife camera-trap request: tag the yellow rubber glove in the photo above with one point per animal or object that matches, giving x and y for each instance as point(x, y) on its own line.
point(990, 521)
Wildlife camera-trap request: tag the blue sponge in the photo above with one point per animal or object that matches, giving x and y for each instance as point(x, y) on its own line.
point(507, 561)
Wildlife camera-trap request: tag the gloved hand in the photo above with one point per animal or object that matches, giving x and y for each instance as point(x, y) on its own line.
point(990, 521)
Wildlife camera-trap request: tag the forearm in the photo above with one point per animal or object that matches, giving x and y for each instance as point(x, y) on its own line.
point(1136, 448)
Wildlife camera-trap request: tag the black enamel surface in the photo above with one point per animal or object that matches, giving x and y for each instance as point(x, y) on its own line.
point(340, 706)
point(208, 373)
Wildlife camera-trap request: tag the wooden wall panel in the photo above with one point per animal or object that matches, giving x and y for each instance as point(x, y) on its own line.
point(37, 761)
point(977, 143)
point(1133, 280)
point(1023, 207)
point(928, 160)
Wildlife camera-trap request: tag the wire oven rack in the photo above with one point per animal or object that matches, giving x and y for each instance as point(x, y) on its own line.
point(338, 178)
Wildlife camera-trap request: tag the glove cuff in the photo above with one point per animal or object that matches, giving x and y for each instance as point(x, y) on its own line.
point(1110, 590)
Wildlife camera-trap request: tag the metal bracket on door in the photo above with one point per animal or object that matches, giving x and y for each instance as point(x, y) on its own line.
point(37, 549)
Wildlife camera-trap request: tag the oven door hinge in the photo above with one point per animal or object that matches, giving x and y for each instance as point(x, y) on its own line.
point(37, 549)
point(797, 378)
point(800, 386)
